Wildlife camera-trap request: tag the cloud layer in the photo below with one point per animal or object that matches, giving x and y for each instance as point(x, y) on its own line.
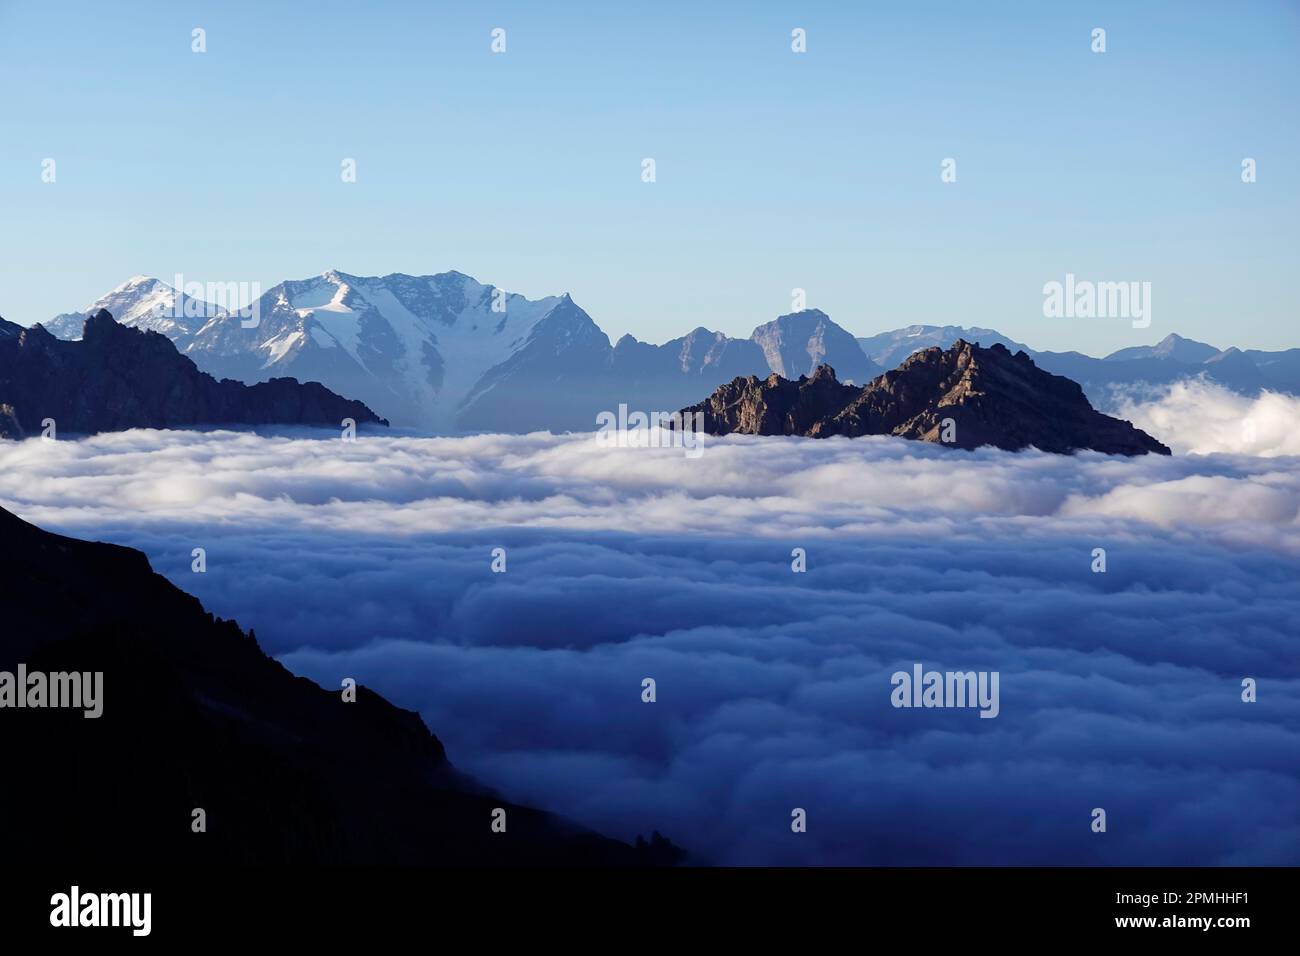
point(1118, 690)
point(1198, 417)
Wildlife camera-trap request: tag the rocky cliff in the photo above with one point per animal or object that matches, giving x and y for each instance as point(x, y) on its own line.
point(965, 395)
point(774, 405)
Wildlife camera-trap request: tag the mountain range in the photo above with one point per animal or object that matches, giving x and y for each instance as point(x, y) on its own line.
point(966, 396)
point(1172, 359)
point(114, 377)
point(447, 353)
point(194, 715)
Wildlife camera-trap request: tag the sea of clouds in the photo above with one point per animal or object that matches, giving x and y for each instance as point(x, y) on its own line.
point(1120, 690)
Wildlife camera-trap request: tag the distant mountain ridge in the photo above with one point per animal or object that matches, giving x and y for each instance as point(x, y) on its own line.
point(446, 353)
point(891, 349)
point(1172, 359)
point(116, 377)
point(144, 303)
point(796, 344)
point(966, 396)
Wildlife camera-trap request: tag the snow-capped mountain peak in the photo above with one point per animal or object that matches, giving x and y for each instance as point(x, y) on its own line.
point(142, 302)
point(414, 345)
point(446, 352)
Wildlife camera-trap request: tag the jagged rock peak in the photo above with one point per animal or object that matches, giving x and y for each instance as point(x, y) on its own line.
point(965, 395)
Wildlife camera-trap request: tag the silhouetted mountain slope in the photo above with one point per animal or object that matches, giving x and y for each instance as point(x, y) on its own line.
point(117, 377)
point(989, 397)
point(195, 715)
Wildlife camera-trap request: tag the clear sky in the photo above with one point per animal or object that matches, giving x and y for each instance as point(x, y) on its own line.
point(775, 170)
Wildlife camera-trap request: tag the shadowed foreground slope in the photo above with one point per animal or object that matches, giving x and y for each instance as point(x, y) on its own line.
point(196, 715)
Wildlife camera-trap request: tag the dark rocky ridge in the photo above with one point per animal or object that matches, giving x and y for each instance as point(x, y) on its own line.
point(117, 378)
point(774, 405)
point(991, 396)
point(196, 715)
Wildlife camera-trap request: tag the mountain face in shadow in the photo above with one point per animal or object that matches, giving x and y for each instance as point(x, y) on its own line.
point(796, 344)
point(966, 396)
point(116, 378)
point(774, 405)
point(195, 715)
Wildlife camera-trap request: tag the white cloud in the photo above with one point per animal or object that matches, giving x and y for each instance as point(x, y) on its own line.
point(740, 485)
point(1198, 417)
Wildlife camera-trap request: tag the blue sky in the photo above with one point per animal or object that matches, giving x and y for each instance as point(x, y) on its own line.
point(775, 170)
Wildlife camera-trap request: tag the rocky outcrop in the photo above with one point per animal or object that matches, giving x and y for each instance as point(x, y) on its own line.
point(774, 405)
point(195, 715)
point(118, 377)
point(965, 395)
